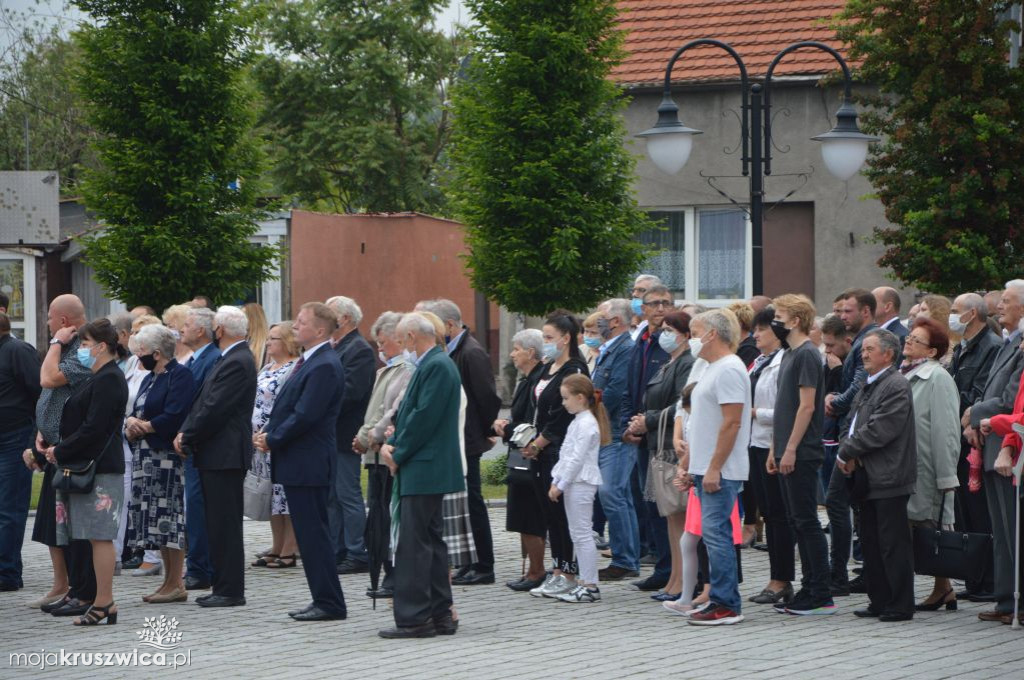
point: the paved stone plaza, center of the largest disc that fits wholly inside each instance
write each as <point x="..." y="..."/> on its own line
<point x="509" y="635"/>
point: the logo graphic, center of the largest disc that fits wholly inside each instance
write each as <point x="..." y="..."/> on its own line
<point x="160" y="633"/>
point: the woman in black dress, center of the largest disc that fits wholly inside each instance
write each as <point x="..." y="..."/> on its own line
<point x="525" y="514"/>
<point x="561" y="354"/>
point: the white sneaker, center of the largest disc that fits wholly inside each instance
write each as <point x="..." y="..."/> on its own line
<point x="560" y="587"/>
<point x="539" y="590"/>
<point x="581" y="594"/>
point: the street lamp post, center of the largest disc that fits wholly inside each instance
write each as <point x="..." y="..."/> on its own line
<point x="843" y="148"/>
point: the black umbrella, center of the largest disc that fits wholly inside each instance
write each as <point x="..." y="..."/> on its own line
<point x="378" y="524"/>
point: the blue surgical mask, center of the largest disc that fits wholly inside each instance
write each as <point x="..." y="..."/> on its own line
<point x="636" y="305"/>
<point x="669" y="341"/>
<point x="591" y="342"/>
<point x="550" y="351"/>
<point x="85" y="357"/>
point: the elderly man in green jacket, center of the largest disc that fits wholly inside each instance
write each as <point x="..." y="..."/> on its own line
<point x="424" y="457"/>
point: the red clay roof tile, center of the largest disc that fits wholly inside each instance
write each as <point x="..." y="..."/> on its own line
<point x="757" y="29"/>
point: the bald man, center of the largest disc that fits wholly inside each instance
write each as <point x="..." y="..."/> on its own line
<point x="759" y="302"/>
<point x="60" y="375"/>
<point x="887" y="312"/>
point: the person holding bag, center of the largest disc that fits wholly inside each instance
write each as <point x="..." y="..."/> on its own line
<point x="658" y="418"/>
<point x="90" y="447"/>
<point x="525" y="514"/>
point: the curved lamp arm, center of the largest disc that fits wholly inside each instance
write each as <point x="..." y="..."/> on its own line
<point x="847" y="90"/>
<point x="669" y="107"/>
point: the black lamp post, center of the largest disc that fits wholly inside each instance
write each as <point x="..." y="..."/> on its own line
<point x="844" y="148"/>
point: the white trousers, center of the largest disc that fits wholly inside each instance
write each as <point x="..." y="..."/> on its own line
<point x="579" y="511"/>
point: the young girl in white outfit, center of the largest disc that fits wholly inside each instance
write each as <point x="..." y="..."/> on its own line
<point x="577" y="476"/>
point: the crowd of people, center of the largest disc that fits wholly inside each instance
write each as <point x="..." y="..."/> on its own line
<point x="685" y="433"/>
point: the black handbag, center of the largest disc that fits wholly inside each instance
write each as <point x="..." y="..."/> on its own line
<point x="960" y="555"/>
<point x="75" y="477"/>
<point x="519" y="467"/>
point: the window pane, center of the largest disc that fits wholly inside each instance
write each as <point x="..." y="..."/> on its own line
<point x="669" y="263"/>
<point x="722" y="254"/>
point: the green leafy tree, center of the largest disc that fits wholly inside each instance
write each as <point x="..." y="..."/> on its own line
<point x="353" y="95"/>
<point x="540" y="176"/>
<point x="950" y="170"/>
<point x="36" y="94"/>
<point x="177" y="190"/>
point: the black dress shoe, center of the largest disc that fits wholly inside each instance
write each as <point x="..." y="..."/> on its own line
<point x="981" y="597"/>
<point x="303" y="610"/>
<point x="9" y="587"/>
<point x="858" y="585"/>
<point x="614" y="572"/>
<point x="424" y="630"/>
<point x="524" y="584"/>
<point x="650" y="584"/>
<point x="314" y="613"/>
<point x="890" y="617"/>
<point x="193" y="583"/>
<point x="446" y="625"/>
<point x="867" y="613"/>
<point x="73" y="607"/>
<point x="382" y="593"/>
<point x="462" y="571"/>
<point x="353" y="567"/>
<point x="221" y="601"/>
<point x="474" y="578"/>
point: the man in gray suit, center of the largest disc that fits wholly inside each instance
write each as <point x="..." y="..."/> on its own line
<point x="998" y="397"/>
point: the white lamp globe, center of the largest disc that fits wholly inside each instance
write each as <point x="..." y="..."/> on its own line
<point x="844" y="157"/>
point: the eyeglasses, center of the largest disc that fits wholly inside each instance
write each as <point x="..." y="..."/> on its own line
<point x="273" y="338"/>
<point x="916" y="341"/>
<point x="659" y="303"/>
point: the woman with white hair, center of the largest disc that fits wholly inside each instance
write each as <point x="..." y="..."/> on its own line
<point x="158" y="473"/>
<point x="525" y="513"/>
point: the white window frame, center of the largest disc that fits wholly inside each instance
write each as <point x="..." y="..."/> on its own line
<point x="25" y="330"/>
<point x="691" y="245"/>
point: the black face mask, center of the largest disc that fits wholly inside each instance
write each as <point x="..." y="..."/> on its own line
<point x="780" y="331"/>
<point x="148" y="361"/>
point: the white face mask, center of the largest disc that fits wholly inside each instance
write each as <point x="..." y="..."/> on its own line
<point x="955" y="324"/>
<point x="696" y="345"/>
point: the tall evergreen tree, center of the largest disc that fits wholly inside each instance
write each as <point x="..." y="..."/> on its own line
<point x="354" y="102"/>
<point x="540" y="176"/>
<point x="950" y="170"/>
<point x="177" y="190"/>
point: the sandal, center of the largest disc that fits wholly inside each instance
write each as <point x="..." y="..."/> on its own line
<point x="282" y="562"/>
<point x="95" y="615"/>
<point x="265" y="560"/>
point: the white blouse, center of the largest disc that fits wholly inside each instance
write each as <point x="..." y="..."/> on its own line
<point x="577" y="459"/>
<point x="765" y="392"/>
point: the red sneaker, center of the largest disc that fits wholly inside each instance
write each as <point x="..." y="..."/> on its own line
<point x="715" y="615"/>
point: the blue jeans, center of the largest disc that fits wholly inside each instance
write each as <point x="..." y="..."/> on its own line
<point x="617" y="461"/>
<point x="346" y="511"/>
<point x="716" y="527"/>
<point x="15" y="489"/>
<point x="198" y="562"/>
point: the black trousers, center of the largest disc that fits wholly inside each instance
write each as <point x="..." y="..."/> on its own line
<point x="972" y="515"/>
<point x="478" y="519"/>
<point x="562" y="555"/>
<point x="750" y="497"/>
<point x="222" y="495"/>
<point x="778" y="532"/>
<point x="81" y="574"/>
<point x="837" y="502"/>
<point x="422" y="590"/>
<point x="379" y="485"/>
<point x="800" y="493"/>
<point x="308" y="508"/>
<point x="888" y="548"/>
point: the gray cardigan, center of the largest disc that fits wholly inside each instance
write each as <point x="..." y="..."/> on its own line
<point x="884" y="436"/>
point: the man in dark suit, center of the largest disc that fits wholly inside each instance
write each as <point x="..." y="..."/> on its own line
<point x="887" y="312"/>
<point x="346" y="511"/>
<point x="998" y="398"/>
<point x="301" y="439"/>
<point x="217" y="435"/>
<point x="197" y="335"/>
<point x="482" y="406"/>
<point x="423" y="455"/>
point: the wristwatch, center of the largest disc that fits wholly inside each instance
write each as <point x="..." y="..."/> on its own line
<point x="55" y="341"/>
